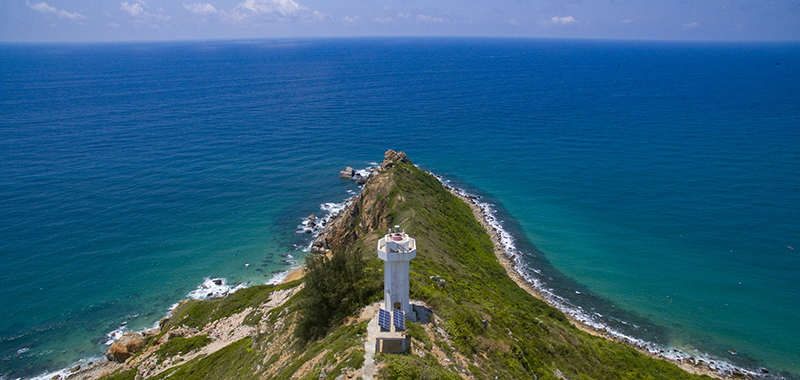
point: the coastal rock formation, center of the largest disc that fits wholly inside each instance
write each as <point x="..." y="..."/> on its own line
<point x="125" y="347"/>
<point x="368" y="212"/>
<point x="391" y="156"/>
<point x="347" y="173"/>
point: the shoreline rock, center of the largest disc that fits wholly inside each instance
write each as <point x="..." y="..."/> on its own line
<point x="347" y="173"/>
<point x="123" y="348"/>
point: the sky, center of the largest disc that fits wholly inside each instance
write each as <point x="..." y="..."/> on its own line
<point x="169" y="20"/>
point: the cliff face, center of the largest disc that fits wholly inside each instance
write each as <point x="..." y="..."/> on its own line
<point x="481" y="325"/>
<point x="369" y="210"/>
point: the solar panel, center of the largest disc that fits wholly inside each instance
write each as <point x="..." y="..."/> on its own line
<point x="384" y="321"/>
<point x="399" y="319"/>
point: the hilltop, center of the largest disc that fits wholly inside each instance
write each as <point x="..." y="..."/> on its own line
<point x="314" y="327"/>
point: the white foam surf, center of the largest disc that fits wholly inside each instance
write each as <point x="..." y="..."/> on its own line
<point x="213" y="287"/>
<point x="330" y="210"/>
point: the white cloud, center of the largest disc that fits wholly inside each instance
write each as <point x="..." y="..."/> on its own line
<point x="133" y="10"/>
<point x="558" y="21"/>
<point x="403" y="15"/>
<point x="429" y="18"/>
<point x="627" y="21"/>
<point x="350" y="19"/>
<point x="42" y="7"/>
<point x="382" y="20"/>
<point x="563" y="20"/>
<point x="137" y="9"/>
<point x="200" y="8"/>
<point x="691" y="25"/>
<point x="387" y="7"/>
<point x="319" y="16"/>
<point x="46" y="8"/>
<point x="71" y="15"/>
<point x="284" y="7"/>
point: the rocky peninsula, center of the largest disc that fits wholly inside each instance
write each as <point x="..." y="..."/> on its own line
<point x="485" y="321"/>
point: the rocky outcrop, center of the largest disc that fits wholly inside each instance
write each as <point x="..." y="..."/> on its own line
<point x="368" y="211"/>
<point x="390" y="157"/>
<point x="125" y="347"/>
<point x="347" y="173"/>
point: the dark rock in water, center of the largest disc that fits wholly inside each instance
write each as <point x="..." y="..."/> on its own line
<point x="312" y="218"/>
<point x="259" y="270"/>
<point x="217" y="281"/>
<point x="308" y="231"/>
<point x="125" y="347"/>
<point x="312" y="224"/>
<point x="347" y="173"/>
<point x="75" y="368"/>
<point x="764" y="370"/>
<point x="361" y="180"/>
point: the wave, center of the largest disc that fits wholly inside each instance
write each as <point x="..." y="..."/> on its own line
<point x="214" y="288"/>
<point x="592" y="319"/>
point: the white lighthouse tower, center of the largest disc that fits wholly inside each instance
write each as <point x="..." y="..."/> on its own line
<point x="396" y="249"/>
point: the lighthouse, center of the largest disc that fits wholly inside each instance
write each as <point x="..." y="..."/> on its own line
<point x="396" y="249"/>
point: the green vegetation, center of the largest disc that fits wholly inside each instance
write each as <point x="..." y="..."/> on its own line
<point x="122" y="375"/>
<point x="340" y="349"/>
<point x="236" y="361"/>
<point x="317" y="334"/>
<point x="408" y="367"/>
<point x="181" y="345"/>
<point x="335" y="288"/>
<point x="526" y="337"/>
<point x="199" y="313"/>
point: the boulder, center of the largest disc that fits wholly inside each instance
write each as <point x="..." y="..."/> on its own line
<point x="125" y="347"/>
<point x="312" y="218"/>
<point x="347" y="173"/>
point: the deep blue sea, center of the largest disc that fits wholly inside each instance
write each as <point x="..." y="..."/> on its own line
<point x="654" y="184"/>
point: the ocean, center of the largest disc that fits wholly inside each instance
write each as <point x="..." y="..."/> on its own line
<point x="653" y="187"/>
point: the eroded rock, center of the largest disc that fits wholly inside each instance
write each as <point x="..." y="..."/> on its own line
<point x="125" y="347"/>
<point x="347" y="173"/>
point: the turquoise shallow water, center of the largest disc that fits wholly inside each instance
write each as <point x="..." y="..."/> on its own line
<point x="659" y="180"/>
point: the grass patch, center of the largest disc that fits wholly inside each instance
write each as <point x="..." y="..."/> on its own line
<point x="409" y="367"/>
<point x="181" y="345"/>
<point x="199" y="313"/>
<point x="125" y="375"/>
<point x="235" y="361"/>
